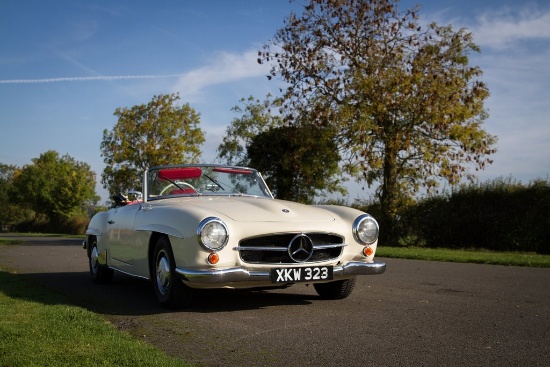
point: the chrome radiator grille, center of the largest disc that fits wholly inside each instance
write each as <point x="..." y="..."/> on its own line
<point x="280" y="248"/>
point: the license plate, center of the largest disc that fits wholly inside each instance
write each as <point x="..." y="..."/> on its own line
<point x="303" y="274"/>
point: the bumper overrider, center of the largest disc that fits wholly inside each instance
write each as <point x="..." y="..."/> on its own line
<point x="234" y="275"/>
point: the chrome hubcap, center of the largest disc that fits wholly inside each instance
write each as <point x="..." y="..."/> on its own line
<point x="163" y="275"/>
<point x="93" y="259"/>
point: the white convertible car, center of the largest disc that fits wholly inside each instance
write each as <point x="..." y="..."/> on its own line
<point x="214" y="226"/>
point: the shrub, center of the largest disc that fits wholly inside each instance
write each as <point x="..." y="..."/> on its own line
<point x="500" y="215"/>
<point x="76" y="225"/>
<point x="40" y="224"/>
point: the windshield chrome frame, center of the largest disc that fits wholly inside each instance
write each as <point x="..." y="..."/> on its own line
<point x="262" y="182"/>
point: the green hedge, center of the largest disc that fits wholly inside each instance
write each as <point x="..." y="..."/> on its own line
<point x="500" y="215"/>
<point x="75" y="225"/>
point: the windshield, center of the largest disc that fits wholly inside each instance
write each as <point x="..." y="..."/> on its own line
<point x="187" y="180"/>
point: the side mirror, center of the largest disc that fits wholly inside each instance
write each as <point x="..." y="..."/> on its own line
<point x="120" y="200"/>
<point x="134" y="195"/>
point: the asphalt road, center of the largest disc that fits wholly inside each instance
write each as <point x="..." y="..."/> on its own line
<point x="417" y="313"/>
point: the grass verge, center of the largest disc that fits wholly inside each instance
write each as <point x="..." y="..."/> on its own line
<point x="38" y="328"/>
<point x="10" y="241"/>
<point x="36" y="234"/>
<point x="466" y="256"/>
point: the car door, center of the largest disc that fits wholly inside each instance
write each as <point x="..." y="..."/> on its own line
<point x="122" y="237"/>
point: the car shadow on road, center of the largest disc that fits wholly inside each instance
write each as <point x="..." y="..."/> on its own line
<point x="128" y="296"/>
<point x="224" y="300"/>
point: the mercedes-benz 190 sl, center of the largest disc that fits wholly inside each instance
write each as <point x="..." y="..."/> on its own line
<point x="214" y="226"/>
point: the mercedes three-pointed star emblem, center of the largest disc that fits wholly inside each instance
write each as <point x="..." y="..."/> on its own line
<point x="300" y="248"/>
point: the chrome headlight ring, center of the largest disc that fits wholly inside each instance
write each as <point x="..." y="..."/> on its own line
<point x="365" y="229"/>
<point x="212" y="234"/>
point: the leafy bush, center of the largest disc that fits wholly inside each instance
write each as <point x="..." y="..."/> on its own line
<point x="40" y="224"/>
<point x="76" y="225"/>
<point x="500" y="215"/>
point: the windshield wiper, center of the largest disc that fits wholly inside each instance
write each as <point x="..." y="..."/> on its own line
<point x="178" y="186"/>
<point x="214" y="181"/>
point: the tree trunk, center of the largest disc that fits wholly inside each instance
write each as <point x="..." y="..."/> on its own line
<point x="389" y="199"/>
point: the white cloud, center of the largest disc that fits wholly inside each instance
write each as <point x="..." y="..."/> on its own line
<point x="224" y="68"/>
<point x="502" y="29"/>
<point x="515" y="49"/>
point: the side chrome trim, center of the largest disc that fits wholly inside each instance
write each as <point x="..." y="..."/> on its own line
<point x="240" y="274"/>
<point x="126" y="273"/>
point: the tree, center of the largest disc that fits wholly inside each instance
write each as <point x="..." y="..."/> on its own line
<point x="407" y="105"/>
<point x="149" y="135"/>
<point x="256" y="117"/>
<point x="298" y="162"/>
<point x="10" y="213"/>
<point x="56" y="187"/>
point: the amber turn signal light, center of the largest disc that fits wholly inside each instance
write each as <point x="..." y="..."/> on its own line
<point x="367" y="251"/>
<point x="213" y="258"/>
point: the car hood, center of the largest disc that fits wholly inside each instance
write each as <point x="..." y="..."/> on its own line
<point x="254" y="209"/>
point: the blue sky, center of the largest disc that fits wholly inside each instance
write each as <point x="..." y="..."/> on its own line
<point x="65" y="66"/>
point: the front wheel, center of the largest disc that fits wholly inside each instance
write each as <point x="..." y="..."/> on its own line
<point x="169" y="289"/>
<point x="335" y="290"/>
<point x="100" y="274"/>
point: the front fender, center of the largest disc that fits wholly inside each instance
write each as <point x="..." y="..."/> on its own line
<point x="98" y="224"/>
<point x="98" y="228"/>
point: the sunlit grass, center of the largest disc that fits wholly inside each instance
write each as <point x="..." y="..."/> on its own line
<point x="466" y="256"/>
<point x="13" y="238"/>
<point x="10" y="241"/>
<point x="38" y="328"/>
<point x="36" y="234"/>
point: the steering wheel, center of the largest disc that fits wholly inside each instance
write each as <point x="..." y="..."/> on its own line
<point x="171" y="187"/>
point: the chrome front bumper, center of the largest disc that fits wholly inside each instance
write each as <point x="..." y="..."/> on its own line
<point x="234" y="275"/>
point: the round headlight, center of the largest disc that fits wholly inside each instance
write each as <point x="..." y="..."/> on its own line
<point x="212" y="233"/>
<point x="365" y="229"/>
